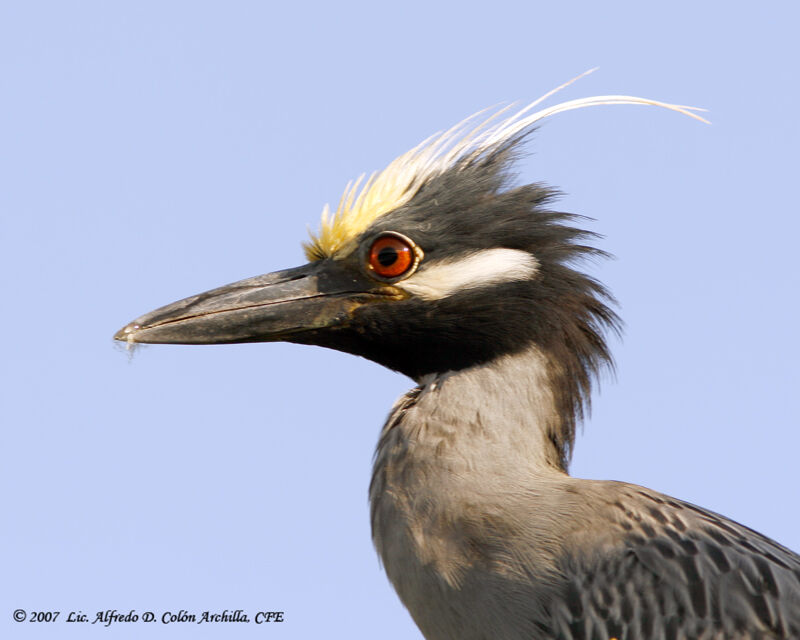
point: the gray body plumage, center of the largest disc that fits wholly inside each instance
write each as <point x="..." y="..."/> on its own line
<point x="483" y="536"/>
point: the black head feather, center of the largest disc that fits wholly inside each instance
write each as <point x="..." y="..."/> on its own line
<point x="561" y="311"/>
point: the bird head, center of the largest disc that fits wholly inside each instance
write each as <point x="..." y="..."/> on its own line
<point x="437" y="263"/>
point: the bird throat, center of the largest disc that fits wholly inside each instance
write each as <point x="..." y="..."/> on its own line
<point x="498" y="415"/>
<point x="455" y="447"/>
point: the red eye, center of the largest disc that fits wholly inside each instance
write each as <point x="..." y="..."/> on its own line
<point x="391" y="256"/>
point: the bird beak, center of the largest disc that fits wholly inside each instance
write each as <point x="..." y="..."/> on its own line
<point x="276" y="306"/>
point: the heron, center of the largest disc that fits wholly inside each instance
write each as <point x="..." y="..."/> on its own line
<point x="444" y="268"/>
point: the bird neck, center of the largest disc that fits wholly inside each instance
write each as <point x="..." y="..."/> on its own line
<point x="497" y="418"/>
<point x="460" y="444"/>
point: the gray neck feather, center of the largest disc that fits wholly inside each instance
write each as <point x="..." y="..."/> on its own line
<point x="483" y="419"/>
<point x="477" y="431"/>
<point x="454" y="449"/>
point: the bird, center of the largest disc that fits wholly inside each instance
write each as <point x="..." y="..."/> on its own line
<point x="446" y="269"/>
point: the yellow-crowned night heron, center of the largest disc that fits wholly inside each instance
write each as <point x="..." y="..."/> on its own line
<point x="441" y="269"/>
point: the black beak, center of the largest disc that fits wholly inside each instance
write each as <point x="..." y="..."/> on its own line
<point x="277" y="306"/>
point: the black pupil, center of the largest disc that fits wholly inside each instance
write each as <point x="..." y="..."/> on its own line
<point x="387" y="256"/>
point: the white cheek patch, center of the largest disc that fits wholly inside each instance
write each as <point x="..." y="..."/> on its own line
<point x="490" y="266"/>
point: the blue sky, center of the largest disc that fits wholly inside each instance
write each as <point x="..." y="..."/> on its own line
<point x="154" y="150"/>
